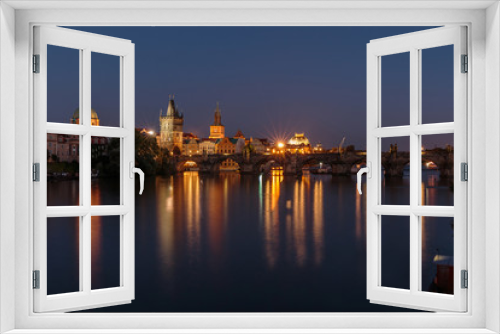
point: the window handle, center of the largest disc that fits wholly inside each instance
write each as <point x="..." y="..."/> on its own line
<point x="368" y="172"/>
<point x="133" y="170"/>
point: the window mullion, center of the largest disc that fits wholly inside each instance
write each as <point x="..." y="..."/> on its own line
<point x="86" y="242"/>
<point x="86" y="151"/>
<point x="86" y="173"/>
<point x="82" y="82"/>
<point x="86" y="266"/>
<point x="414" y="166"/>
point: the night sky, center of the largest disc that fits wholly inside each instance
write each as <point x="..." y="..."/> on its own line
<point x="270" y="81"/>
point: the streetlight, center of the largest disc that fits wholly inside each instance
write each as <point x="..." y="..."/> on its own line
<point x="280" y="146"/>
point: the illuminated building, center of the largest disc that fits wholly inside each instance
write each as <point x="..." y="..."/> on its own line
<point x="260" y="145"/>
<point x="299" y="139"/>
<point x="299" y="144"/>
<point x="229" y="165"/>
<point x="171" y="135"/>
<point x="66" y="148"/>
<point x="318" y="148"/>
<point x="207" y="146"/>
<point x="225" y="146"/>
<point x="99" y="146"/>
<point x="94" y="119"/>
<point x="63" y="148"/>
<point x="239" y="134"/>
<point x="191" y="147"/>
<point x="217" y="129"/>
<point x="189" y="135"/>
<point x="240" y="144"/>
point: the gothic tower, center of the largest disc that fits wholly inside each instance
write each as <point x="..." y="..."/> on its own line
<point x="217" y="129"/>
<point x="171" y="127"/>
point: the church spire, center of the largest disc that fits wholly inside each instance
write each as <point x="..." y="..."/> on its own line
<point x="217" y="129"/>
<point x="217" y="116"/>
<point x="170" y="107"/>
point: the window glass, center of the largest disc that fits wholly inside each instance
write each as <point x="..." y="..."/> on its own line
<point x="63" y="84"/>
<point x="63" y="170"/>
<point x="437" y="254"/>
<point x="105" y="252"/>
<point x="395" y="171"/>
<point x="395" y="94"/>
<point x="437" y="84"/>
<point x="105" y="171"/>
<point x="395" y="255"/>
<point x="105" y="90"/>
<point x="438" y="170"/>
<point x="63" y="255"/>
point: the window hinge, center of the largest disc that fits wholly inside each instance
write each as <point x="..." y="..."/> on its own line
<point x="36" y="63"/>
<point x="36" y="172"/>
<point x="36" y="279"/>
<point x="465" y="279"/>
<point x="464" y="172"/>
<point x="465" y="64"/>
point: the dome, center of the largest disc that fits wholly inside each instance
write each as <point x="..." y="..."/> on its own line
<point x="76" y="114"/>
<point x="299" y="139"/>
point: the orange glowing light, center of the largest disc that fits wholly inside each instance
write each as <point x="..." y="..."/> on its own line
<point x="281" y="145"/>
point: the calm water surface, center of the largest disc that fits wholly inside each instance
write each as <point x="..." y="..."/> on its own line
<point x="233" y="243"/>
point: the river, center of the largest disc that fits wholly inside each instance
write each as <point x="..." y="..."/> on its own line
<point x="237" y="243"/>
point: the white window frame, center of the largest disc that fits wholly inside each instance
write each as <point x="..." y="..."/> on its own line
<point x="482" y="19"/>
<point x="414" y="44"/>
<point x="85" y="44"/>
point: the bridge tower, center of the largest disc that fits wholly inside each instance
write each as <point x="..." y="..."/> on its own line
<point x="171" y="127"/>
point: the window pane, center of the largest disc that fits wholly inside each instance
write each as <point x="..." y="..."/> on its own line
<point x="105" y="252"/>
<point x="105" y="90"/>
<point x="63" y="169"/>
<point x="395" y="94"/>
<point x="63" y="255"/>
<point x="63" y="84"/>
<point x="437" y="170"/>
<point x="395" y="251"/>
<point x="437" y="254"/>
<point x="437" y="84"/>
<point x="395" y="171"/>
<point x="105" y="171"/>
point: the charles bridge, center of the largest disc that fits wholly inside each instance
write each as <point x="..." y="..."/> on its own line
<point x="393" y="162"/>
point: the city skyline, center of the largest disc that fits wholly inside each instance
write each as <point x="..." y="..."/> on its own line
<point x="270" y="81"/>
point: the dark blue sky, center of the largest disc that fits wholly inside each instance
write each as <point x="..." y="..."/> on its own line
<point x="270" y="81"/>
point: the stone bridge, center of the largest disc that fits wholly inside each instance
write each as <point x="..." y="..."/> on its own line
<point x="393" y="162"/>
<point x="257" y="163"/>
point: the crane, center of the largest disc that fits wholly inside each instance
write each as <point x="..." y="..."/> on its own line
<point x="341" y="144"/>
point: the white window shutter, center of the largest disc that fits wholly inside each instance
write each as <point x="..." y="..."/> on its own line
<point x="86" y="43"/>
<point x="416" y="297"/>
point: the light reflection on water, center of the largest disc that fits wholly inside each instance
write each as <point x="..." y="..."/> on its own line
<point x="269" y="243"/>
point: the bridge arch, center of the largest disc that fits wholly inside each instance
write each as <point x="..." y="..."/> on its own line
<point x="229" y="165"/>
<point x="340" y="165"/>
<point x="187" y="165"/>
<point x="394" y="164"/>
<point x="441" y="158"/>
<point x="312" y="161"/>
<point x="266" y="163"/>
<point x="317" y="161"/>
